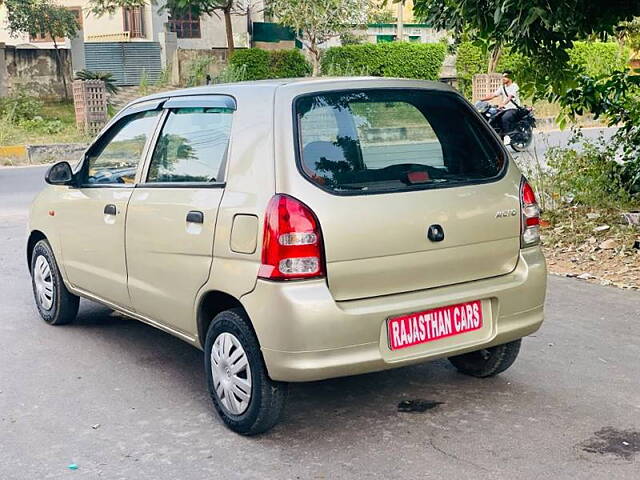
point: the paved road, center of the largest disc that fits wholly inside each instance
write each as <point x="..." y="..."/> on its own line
<point x="572" y="395"/>
<point x="543" y="140"/>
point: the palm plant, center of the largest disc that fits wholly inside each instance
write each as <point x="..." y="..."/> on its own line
<point x="107" y="78"/>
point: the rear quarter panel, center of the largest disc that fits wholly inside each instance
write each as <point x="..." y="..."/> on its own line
<point x="250" y="184"/>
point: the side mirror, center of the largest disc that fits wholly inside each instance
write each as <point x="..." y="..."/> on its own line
<point x="59" y="174"/>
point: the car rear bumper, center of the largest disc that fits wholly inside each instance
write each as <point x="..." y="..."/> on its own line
<point x="306" y="335"/>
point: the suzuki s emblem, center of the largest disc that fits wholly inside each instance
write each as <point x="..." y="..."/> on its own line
<point x="506" y="213"/>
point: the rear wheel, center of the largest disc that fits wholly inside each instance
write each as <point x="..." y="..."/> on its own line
<point x="56" y="305"/>
<point x="521" y="139"/>
<point x="488" y="361"/>
<point x="246" y="399"/>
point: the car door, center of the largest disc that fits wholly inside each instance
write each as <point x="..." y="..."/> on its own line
<point x="91" y="216"/>
<point x="172" y="212"/>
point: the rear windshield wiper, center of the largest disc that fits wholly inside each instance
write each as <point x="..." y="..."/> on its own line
<point x="350" y="188"/>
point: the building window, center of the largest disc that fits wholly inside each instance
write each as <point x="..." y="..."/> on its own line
<point x="45" y="37"/>
<point x="385" y="38"/>
<point x="185" y="23"/>
<point x="134" y="21"/>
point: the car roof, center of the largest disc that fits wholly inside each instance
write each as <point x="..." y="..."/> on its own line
<point x="239" y="88"/>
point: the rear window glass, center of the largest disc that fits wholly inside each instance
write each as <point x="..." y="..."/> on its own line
<point x="391" y="140"/>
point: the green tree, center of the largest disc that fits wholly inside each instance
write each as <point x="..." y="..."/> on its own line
<point x="41" y="17"/>
<point x="545" y="30"/>
<point x="317" y="21"/>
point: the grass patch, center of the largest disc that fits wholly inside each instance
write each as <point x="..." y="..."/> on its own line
<point x="54" y="123"/>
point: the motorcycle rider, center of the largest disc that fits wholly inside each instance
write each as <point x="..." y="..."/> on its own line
<point x="510" y="103"/>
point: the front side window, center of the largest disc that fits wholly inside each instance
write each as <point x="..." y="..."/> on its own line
<point x="375" y="141"/>
<point x="116" y="157"/>
<point x="192" y="146"/>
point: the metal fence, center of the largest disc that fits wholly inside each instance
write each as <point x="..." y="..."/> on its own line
<point x="128" y="62"/>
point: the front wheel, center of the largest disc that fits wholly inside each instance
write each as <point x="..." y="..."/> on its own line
<point x="488" y="361"/>
<point x="522" y="139"/>
<point x="56" y="305"/>
<point x="244" y="396"/>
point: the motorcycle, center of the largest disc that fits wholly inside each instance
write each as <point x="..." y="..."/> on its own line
<point x="521" y="136"/>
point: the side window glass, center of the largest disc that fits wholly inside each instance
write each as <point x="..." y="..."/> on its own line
<point x="192" y="146"/>
<point x="116" y="158"/>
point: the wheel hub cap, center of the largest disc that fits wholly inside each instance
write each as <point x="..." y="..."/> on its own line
<point x="231" y="373"/>
<point x="43" y="281"/>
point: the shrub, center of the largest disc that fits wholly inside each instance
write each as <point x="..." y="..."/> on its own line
<point x="361" y="58"/>
<point x="599" y="58"/>
<point x="413" y="60"/>
<point x="288" y="64"/>
<point x="231" y="73"/>
<point x="470" y="61"/>
<point x="198" y="69"/>
<point x="19" y="107"/>
<point x="259" y="64"/>
<point x="395" y="59"/>
<point x="256" y="62"/>
<point x="591" y="176"/>
<point x="43" y="125"/>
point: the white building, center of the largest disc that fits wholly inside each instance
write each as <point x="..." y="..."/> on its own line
<point x="138" y="43"/>
<point x="146" y="24"/>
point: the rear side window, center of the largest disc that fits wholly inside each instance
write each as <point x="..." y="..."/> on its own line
<point x="375" y="141"/>
<point x="192" y="146"/>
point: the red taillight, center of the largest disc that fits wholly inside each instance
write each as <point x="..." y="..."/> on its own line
<point x="292" y="244"/>
<point x="530" y="234"/>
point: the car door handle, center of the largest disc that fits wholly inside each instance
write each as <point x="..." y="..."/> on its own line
<point x="110" y="209"/>
<point x="195" y="216"/>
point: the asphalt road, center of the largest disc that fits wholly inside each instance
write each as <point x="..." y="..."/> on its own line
<point x="125" y="401"/>
<point x="543" y="140"/>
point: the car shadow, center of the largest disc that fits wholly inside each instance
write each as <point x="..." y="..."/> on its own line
<point x="313" y="408"/>
<point x="145" y="348"/>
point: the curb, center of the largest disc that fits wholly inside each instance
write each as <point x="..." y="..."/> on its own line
<point x="26" y="155"/>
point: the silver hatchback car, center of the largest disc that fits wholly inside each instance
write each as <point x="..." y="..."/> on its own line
<point x="298" y="230"/>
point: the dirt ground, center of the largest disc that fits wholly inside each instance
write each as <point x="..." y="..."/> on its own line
<point x="602" y="249"/>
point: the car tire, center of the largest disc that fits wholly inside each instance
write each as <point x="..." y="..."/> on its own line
<point x="487" y="362"/>
<point x="231" y="343"/>
<point x="56" y="305"/>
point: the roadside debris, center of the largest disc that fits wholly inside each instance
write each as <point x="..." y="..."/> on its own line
<point x="599" y="247"/>
<point x="417" y="406"/>
<point x="608" y="244"/>
<point x="586" y="276"/>
<point x="631" y="218"/>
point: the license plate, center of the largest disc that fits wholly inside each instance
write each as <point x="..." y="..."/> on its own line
<point x="422" y="327"/>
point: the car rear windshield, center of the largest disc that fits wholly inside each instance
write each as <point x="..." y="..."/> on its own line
<point x="375" y="141"/>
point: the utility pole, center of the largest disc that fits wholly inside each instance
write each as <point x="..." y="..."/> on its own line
<point x="400" y="33"/>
